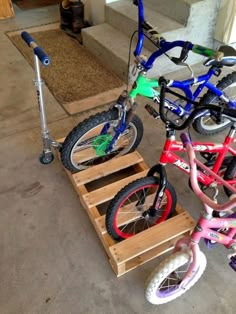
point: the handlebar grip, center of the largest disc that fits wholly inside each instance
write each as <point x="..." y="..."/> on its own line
<point x="185" y="139"/>
<point x="43" y="57"/>
<point x="45" y="60"/>
<point x="27" y="38"/>
<point x="204" y="51"/>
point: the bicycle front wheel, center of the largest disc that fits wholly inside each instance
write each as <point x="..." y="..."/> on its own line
<point x="85" y="147"/>
<point x="130" y="211"/>
<point x="163" y="285"/>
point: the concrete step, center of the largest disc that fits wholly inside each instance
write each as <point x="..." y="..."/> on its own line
<point x="178" y="10"/>
<point x="109" y="42"/>
<point x="110" y="46"/>
<point x="123" y="15"/>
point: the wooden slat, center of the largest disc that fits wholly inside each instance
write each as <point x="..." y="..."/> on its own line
<point x="140" y="166"/>
<point x="105" y="239"/>
<point x="178" y="209"/>
<point x="106" y="168"/>
<point x="151" y="238"/>
<point x="149" y="255"/>
<point x="107" y="192"/>
<point x="100" y="221"/>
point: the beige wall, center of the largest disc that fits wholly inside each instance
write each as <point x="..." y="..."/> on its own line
<point x="226" y="22"/>
<point x="94" y="10"/>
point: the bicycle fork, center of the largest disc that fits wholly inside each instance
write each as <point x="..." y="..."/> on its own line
<point x="160" y="170"/>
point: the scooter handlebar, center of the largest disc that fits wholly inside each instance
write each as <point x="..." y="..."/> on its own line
<point x="38" y="51"/>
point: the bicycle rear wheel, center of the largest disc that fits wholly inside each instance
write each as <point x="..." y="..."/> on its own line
<point x="129" y="211"/>
<point x="163" y="285"/>
<point x="206" y="125"/>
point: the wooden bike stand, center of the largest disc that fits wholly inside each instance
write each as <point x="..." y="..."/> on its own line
<point x="99" y="184"/>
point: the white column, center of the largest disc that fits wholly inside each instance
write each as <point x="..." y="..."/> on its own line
<point x="226" y="22"/>
<point x="94" y="10"/>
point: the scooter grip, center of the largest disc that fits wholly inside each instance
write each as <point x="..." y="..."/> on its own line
<point x="43" y="57"/>
<point x="27" y="38"/>
<point x="185" y="139"/>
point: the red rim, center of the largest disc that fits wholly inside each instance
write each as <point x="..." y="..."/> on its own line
<point x="164" y="216"/>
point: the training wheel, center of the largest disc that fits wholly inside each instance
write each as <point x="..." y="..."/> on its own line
<point x="46" y="158"/>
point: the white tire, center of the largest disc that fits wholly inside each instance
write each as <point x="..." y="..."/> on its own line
<point x="171" y="264"/>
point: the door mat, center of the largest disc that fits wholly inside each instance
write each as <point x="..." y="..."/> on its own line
<point x="75" y="77"/>
<point x="34" y="4"/>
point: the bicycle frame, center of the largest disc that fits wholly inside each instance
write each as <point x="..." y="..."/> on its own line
<point x="207" y="227"/>
<point x="171" y="146"/>
<point x="146" y="87"/>
<point x="164" y="45"/>
<point x="204" y="229"/>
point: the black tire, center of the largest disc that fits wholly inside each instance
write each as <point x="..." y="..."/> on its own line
<point x="210" y="98"/>
<point x="230" y="173"/>
<point x="79" y="139"/>
<point x="140" y="221"/>
<point x="46" y="159"/>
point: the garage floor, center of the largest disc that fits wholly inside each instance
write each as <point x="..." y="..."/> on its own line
<point x="51" y="258"/>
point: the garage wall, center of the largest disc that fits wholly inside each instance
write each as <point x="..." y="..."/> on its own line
<point x="94" y="10"/>
<point x="226" y="22"/>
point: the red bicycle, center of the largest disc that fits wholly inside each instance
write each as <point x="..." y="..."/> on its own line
<point x="150" y="200"/>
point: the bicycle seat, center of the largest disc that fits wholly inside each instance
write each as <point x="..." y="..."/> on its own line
<point x="228" y="57"/>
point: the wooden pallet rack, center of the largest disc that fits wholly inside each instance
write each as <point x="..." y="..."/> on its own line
<point x="130" y="253"/>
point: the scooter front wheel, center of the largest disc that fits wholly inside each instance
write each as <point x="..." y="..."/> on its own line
<point x="46" y="158"/>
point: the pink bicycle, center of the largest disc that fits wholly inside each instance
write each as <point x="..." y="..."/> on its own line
<point x="182" y="269"/>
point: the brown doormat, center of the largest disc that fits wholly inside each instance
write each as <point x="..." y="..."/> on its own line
<point x="33" y="4"/>
<point x="75" y="77"/>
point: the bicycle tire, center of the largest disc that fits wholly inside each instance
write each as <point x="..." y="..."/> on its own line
<point x="124" y="222"/>
<point x="167" y="268"/>
<point x="209" y="98"/>
<point x="77" y="141"/>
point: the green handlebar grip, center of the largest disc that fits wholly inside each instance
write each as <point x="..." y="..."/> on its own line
<point x="204" y="51"/>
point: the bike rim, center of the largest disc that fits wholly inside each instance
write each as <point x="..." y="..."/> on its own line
<point x="84" y="148"/>
<point x="172" y="283"/>
<point x="128" y="219"/>
<point x="210" y="124"/>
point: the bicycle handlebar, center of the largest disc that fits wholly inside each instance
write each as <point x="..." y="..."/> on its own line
<point x="147" y="30"/>
<point x="185" y="138"/>
<point x="43" y="57"/>
<point x="194" y="182"/>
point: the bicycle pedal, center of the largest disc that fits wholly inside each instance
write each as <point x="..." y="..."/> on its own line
<point x="152" y="111"/>
<point x="232" y="263"/>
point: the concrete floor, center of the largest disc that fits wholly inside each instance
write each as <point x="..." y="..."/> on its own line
<point x="51" y="258"/>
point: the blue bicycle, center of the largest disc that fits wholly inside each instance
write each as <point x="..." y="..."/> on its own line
<point x="119" y="130"/>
